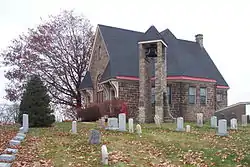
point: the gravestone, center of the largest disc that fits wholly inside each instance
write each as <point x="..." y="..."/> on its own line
<point x="104" y="155"/>
<point x="94" y="137"/>
<point x="21" y="134"/>
<point x="74" y="127"/>
<point x="157" y="121"/>
<point x="180" y="124"/>
<point x="10" y="151"/>
<point x="200" y="119"/>
<point x="233" y="124"/>
<point x="122" y="122"/>
<point x="131" y="125"/>
<point x="112" y="124"/>
<point x="188" y="128"/>
<point x="222" y="128"/>
<point x="102" y="123"/>
<point x="20" y="138"/>
<point x="7" y="157"/>
<point x="3" y="164"/>
<point x="25" y="123"/>
<point x="15" y="142"/>
<point x="244" y="120"/>
<point x="138" y="130"/>
<point x="213" y="122"/>
<point x="220" y="116"/>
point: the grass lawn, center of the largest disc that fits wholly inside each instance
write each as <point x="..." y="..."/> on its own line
<point x="157" y="147"/>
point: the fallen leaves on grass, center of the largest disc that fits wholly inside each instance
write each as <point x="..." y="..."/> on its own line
<point x="28" y="155"/>
<point x="7" y="132"/>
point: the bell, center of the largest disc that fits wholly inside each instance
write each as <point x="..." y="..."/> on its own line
<point x="151" y="52"/>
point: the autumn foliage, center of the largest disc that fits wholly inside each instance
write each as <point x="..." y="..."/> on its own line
<point x="58" y="50"/>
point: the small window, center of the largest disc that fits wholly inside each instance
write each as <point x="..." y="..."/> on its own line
<point x="192" y="95"/>
<point x="219" y="97"/>
<point x="99" y="53"/>
<point x="203" y="96"/>
<point x="169" y="92"/>
<point x="153" y="95"/>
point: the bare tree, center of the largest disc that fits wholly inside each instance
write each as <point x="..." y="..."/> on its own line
<point x="58" y="50"/>
<point x="9" y="113"/>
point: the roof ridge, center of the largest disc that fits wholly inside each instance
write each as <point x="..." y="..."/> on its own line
<point x="119" y="28"/>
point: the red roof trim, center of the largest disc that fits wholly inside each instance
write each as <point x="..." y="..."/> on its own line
<point x="222" y="87"/>
<point x="178" y="78"/>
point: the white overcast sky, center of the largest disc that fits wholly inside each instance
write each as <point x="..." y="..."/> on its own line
<point x="225" y="25"/>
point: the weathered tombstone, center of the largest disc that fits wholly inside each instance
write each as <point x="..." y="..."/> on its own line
<point x="21" y="134"/>
<point x="10" y="151"/>
<point x="131" y="125"/>
<point x="188" y="128"/>
<point x="104" y="155"/>
<point x="180" y="124"/>
<point x="94" y="137"/>
<point x="138" y="129"/>
<point x="3" y="164"/>
<point x="74" y="128"/>
<point x="20" y="138"/>
<point x="7" y="158"/>
<point x="122" y="122"/>
<point x="233" y="124"/>
<point x="157" y="121"/>
<point x="15" y="142"/>
<point x="213" y="122"/>
<point x="102" y="122"/>
<point x="25" y="123"/>
<point x="222" y="128"/>
<point x="244" y="120"/>
<point x="112" y="124"/>
<point x="200" y="119"/>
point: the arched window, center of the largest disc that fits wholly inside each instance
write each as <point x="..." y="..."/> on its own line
<point x="99" y="88"/>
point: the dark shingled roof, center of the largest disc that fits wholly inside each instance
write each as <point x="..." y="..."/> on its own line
<point x="184" y="58"/>
<point x="151" y="34"/>
<point x="86" y="82"/>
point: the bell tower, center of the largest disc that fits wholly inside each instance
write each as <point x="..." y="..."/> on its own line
<point x="152" y="49"/>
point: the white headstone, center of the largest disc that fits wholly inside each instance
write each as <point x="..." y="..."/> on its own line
<point x="138" y="129"/>
<point x="233" y="123"/>
<point x="200" y="119"/>
<point x="131" y="125"/>
<point x="104" y="155"/>
<point x="213" y="122"/>
<point x="122" y="122"/>
<point x="102" y="122"/>
<point x="244" y="120"/>
<point x="222" y="128"/>
<point x="25" y="123"/>
<point x="113" y="124"/>
<point x="74" y="128"/>
<point x="157" y="121"/>
<point x="188" y="128"/>
<point x="180" y="124"/>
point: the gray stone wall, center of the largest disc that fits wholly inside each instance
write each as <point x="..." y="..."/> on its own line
<point x="98" y="62"/>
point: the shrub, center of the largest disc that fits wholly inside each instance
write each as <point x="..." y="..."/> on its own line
<point x="95" y="111"/>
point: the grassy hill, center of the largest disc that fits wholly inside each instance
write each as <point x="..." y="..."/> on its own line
<point x="157" y="147"/>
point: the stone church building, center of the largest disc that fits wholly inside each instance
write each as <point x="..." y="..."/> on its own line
<point x="155" y="73"/>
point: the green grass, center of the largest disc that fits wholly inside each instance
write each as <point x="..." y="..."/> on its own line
<point x="156" y="146"/>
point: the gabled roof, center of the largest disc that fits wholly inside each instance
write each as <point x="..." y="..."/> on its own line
<point x="184" y="58"/>
<point x="151" y="34"/>
<point x="86" y="82"/>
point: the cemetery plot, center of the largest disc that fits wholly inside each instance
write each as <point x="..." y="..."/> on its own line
<point x="7" y="132"/>
<point x="58" y="146"/>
